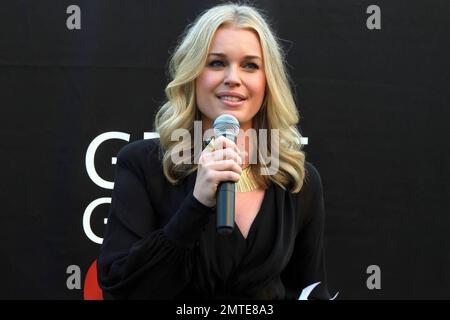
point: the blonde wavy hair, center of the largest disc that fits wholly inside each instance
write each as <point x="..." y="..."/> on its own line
<point x="278" y="110"/>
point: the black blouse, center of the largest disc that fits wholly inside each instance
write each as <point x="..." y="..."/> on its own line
<point x="161" y="242"/>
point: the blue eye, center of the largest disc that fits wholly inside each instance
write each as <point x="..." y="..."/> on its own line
<point x="216" y="64"/>
<point x="252" y="65"/>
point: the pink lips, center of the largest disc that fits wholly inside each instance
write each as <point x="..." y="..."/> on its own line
<point x="233" y="104"/>
<point x="230" y="103"/>
<point x="232" y="94"/>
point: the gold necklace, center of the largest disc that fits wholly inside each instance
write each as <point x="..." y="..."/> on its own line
<point x="246" y="183"/>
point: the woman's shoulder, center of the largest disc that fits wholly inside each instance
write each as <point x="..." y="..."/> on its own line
<point x="140" y="153"/>
<point x="139" y="147"/>
<point x="309" y="199"/>
<point x="312" y="184"/>
<point x="312" y="179"/>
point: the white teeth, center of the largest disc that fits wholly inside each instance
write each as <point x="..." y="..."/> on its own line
<point x="230" y="98"/>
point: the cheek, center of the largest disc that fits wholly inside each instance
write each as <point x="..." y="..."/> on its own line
<point x="205" y="85"/>
<point x="207" y="81"/>
<point x="258" y="87"/>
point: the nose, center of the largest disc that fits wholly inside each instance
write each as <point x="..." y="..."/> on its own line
<point x="231" y="77"/>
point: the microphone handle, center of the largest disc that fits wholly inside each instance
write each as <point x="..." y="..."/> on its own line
<point x="225" y="207"/>
<point x="225" y="203"/>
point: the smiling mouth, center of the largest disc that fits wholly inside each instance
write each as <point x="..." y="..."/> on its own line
<point x="230" y="98"/>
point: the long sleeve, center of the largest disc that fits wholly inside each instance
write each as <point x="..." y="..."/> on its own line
<point x="307" y="264"/>
<point x="138" y="259"/>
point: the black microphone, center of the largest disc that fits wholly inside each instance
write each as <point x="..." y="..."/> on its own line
<point x="228" y="126"/>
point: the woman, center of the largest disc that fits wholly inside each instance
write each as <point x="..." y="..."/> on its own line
<point x="161" y="241"/>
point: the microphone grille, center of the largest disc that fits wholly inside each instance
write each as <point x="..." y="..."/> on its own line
<point x="227" y="125"/>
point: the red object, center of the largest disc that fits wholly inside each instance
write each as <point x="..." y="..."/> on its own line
<point x="91" y="289"/>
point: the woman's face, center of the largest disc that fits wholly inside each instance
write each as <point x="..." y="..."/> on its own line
<point x="233" y="80"/>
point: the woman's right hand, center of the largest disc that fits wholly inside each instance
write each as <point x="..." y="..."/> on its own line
<point x="222" y="164"/>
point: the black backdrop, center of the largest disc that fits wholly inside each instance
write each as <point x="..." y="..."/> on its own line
<point x="374" y="106"/>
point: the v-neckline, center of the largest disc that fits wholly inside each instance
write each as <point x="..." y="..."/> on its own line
<point x="257" y="217"/>
<point x="255" y="220"/>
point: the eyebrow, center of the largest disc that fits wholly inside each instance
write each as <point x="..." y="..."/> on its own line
<point x="224" y="55"/>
